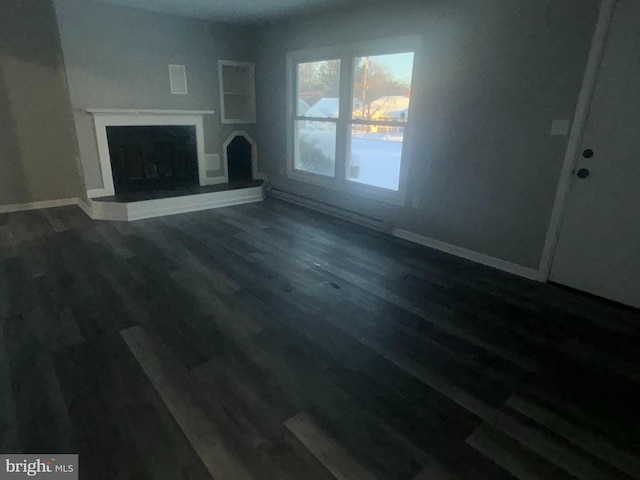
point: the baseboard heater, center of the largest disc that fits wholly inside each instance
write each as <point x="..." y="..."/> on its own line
<point x="322" y="207"/>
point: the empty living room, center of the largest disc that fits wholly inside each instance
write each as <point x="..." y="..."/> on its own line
<point x="319" y="239"/>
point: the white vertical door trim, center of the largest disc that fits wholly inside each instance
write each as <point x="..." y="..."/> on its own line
<point x="575" y="137"/>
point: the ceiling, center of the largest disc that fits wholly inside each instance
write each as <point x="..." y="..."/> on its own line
<point x="233" y="11"/>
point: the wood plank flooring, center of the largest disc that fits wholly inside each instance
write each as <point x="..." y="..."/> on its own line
<point x="266" y="341"/>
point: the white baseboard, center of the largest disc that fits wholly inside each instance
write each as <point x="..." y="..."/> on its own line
<point x="513" y="268"/>
<point x="21" y="207"/>
<point x="85" y="207"/>
<point x="96" y="193"/>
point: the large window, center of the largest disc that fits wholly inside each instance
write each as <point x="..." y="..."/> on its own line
<point x="349" y="111"/>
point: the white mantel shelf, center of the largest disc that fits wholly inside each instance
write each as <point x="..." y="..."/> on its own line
<point x="137" y="111"/>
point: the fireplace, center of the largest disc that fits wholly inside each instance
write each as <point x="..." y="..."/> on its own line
<point x="151" y="170"/>
<point x="152" y="157"/>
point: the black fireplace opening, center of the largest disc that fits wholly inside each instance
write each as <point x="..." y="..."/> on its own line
<point x="145" y="158"/>
<point x="239" y="152"/>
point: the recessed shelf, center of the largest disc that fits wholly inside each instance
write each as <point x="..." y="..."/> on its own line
<point x="237" y="92"/>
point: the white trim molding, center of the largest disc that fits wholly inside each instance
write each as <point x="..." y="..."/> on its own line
<point x="21" y="207"/>
<point x="497" y="263"/>
<point x="84" y="206"/>
<point x="96" y="193"/>
<point x="139" y="111"/>
<point x="104" y="118"/>
<point x="254" y="154"/>
<point x="575" y="137"/>
<point x="126" y="212"/>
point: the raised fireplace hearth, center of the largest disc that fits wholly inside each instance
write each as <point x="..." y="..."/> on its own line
<point x="156" y="161"/>
<point x="153" y="157"/>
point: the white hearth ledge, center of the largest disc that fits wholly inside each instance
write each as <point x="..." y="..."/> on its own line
<point x="139" y="111"/>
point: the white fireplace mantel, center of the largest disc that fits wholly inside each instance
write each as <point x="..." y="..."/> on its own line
<point x="138" y="111"/>
<point x="105" y="117"/>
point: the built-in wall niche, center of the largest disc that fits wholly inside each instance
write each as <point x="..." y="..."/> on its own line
<point x="237" y="91"/>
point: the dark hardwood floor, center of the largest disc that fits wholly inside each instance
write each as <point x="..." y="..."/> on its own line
<point x="266" y="341"/>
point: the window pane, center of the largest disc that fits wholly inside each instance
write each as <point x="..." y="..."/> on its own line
<point x="374" y="155"/>
<point x="315" y="147"/>
<point x="382" y="87"/>
<point x="319" y="89"/>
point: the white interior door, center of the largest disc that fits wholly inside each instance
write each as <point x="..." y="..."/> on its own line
<point x="598" y="249"/>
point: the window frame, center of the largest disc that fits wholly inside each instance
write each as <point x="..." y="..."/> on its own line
<point x="347" y="54"/>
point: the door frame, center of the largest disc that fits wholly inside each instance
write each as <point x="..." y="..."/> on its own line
<point x="594" y="60"/>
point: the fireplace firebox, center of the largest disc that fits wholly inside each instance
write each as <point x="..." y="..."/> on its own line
<point x="154" y="157"/>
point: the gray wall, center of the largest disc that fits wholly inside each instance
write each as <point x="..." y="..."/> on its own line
<point x="492" y="77"/>
<point x="38" y="149"/>
<point x="118" y="57"/>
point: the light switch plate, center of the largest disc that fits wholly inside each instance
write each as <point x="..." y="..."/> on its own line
<point x="560" y="127"/>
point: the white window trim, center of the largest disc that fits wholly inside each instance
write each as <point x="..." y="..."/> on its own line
<point x="346" y="54"/>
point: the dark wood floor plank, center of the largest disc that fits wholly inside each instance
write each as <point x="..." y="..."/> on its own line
<point x="591" y="442"/>
<point x="320" y="391"/>
<point x="622" y="434"/>
<point x="534" y="439"/>
<point x="163" y="447"/>
<point x="172" y="382"/>
<point x="35" y="395"/>
<point x="513" y="457"/>
<point x="257" y="402"/>
<point x="105" y="449"/>
<point x="442" y="322"/>
<point x="435" y="472"/>
<point x="331" y="455"/>
<point x="386" y="295"/>
<point x="9" y="429"/>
